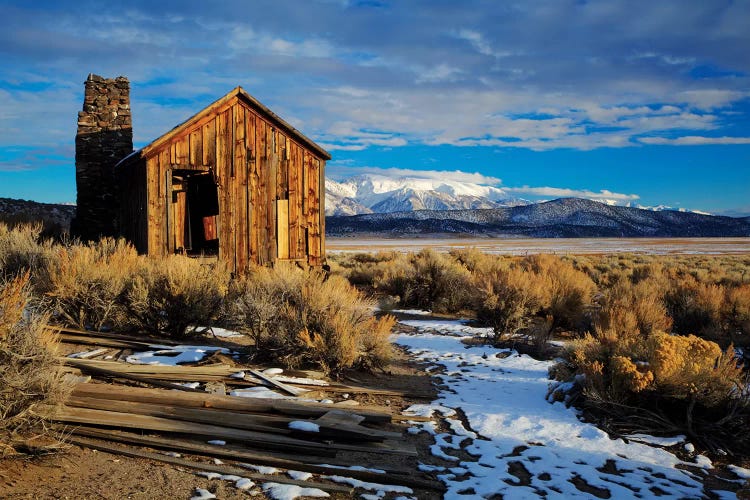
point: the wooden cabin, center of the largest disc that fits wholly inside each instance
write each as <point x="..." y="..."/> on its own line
<point x="235" y="181"/>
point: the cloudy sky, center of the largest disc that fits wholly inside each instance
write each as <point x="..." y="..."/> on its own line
<point x="642" y="102"/>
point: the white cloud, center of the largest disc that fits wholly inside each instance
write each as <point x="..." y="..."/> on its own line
<point x="603" y="195"/>
<point x="694" y="140"/>
<point x="342" y="171"/>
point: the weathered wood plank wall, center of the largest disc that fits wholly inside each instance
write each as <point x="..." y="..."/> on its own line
<point x="254" y="164"/>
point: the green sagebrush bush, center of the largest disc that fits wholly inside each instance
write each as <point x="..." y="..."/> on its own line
<point x="305" y="317"/>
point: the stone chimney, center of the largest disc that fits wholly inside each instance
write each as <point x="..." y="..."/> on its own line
<point x="105" y="136"/>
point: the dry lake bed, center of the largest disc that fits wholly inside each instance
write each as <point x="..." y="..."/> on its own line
<point x="522" y="246"/>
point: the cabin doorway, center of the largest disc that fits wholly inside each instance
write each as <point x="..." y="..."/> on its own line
<point x="195" y="213"/>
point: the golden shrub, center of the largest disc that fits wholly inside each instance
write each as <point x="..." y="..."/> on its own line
<point x="300" y="317"/>
<point x="30" y="377"/>
<point x="22" y="250"/>
<point x="84" y="283"/>
<point x="174" y="295"/>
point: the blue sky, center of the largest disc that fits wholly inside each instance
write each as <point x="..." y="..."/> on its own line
<point x="638" y="102"/>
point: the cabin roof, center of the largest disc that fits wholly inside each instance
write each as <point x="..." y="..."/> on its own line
<point x="241" y="94"/>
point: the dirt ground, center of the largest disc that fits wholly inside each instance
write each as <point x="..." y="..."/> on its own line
<point x="78" y="473"/>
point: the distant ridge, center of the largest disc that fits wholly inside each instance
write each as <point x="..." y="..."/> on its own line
<point x="54" y="216"/>
<point x="560" y="218"/>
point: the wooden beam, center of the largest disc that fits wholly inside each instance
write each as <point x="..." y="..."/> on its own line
<point x="399" y="477"/>
<point x="87" y="367"/>
<point x="220" y="469"/>
<point x="202" y="399"/>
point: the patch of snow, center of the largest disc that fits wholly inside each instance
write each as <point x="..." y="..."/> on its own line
<point x="356" y="483"/>
<point x="273" y="371"/>
<point x="217" y="442"/>
<point x="218" y="462"/>
<point x="657" y="440"/>
<point x="190" y="385"/>
<point x="298" y="475"/>
<point x="202" y="494"/>
<point x="244" y="484"/>
<point x="173" y="355"/>
<point x="261" y="469"/>
<point x="355" y="467"/>
<point x="304" y="425"/>
<point x="171" y="454"/>
<point x="703" y="462"/>
<point x="413" y="312"/>
<point x="290" y="492"/>
<point x="741" y="472"/>
<point x="239" y="375"/>
<point x="690" y="448"/>
<point x="209" y="475"/>
<point x="225" y="334"/>
<point x="503" y="400"/>
<point x="230" y="477"/>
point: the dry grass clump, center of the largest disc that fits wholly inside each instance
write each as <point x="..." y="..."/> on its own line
<point x="304" y="317"/>
<point x="174" y="295"/>
<point x="22" y="249"/>
<point x="30" y="380"/>
<point x="85" y="283"/>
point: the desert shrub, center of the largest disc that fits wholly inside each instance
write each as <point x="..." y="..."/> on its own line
<point x="30" y="379"/>
<point x="175" y="295"/>
<point x="736" y="315"/>
<point x="695" y="307"/>
<point x="85" y="283"/>
<point x="304" y="317"/>
<point x="428" y="280"/>
<point x="632" y="312"/>
<point x="665" y="383"/>
<point x="568" y="291"/>
<point x="510" y="300"/>
<point x="21" y="249"/>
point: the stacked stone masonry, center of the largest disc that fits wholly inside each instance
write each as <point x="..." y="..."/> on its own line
<point x="104" y="137"/>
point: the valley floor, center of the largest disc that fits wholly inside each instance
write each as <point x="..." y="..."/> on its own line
<point x="526" y="246"/>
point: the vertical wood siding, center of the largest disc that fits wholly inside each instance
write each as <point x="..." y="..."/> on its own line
<point x="255" y="165"/>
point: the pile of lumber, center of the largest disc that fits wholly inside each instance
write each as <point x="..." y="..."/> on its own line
<point x="290" y="433"/>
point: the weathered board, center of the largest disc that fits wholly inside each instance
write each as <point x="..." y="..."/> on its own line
<point x="269" y="189"/>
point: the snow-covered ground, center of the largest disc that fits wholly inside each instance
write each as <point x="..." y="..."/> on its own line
<point x="512" y="428"/>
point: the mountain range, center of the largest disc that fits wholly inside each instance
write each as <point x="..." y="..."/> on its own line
<point x="369" y="193"/>
<point x="561" y="218"/>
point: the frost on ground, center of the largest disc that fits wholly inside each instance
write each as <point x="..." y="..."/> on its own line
<point x="519" y="445"/>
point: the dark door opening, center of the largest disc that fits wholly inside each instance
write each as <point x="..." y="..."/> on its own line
<point x="197" y="212"/>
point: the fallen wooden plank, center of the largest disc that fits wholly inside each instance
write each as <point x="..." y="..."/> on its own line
<point x="109" y="373"/>
<point x="221" y="469"/>
<point x="114" y="336"/>
<point x="275" y="441"/>
<point x="261" y="423"/>
<point x="399" y="477"/>
<point x="338" y="426"/>
<point x="161" y="370"/>
<point x="274" y="383"/>
<point x="202" y="399"/>
<point x="90" y="354"/>
<point x="132" y="421"/>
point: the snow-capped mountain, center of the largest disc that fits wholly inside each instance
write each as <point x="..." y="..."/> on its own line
<point x="565" y="217"/>
<point x="371" y="193"/>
